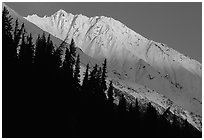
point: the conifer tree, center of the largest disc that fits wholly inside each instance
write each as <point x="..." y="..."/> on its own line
<point x="26" y="49"/>
<point x="93" y="76"/>
<point x="101" y="95"/>
<point x="110" y="100"/>
<point x="57" y="61"/>
<point x="22" y="52"/>
<point x="67" y="66"/>
<point x="99" y="77"/>
<point x="50" y="47"/>
<point x="7" y="39"/>
<point x="86" y="78"/>
<point x="43" y="38"/>
<point x="110" y="93"/>
<point x="30" y="46"/>
<point x="44" y="52"/>
<point x="92" y="92"/>
<point x="150" y="120"/>
<point x="69" y="61"/>
<point x="40" y="52"/>
<point x="16" y="28"/>
<point x="122" y="105"/>
<point x="175" y="127"/>
<point x="72" y="49"/>
<point x="6" y="26"/>
<point x="17" y="33"/>
<point x="77" y="73"/>
<point x="86" y="90"/>
<point x="122" y="115"/>
<point x="70" y="55"/>
<point x="103" y="79"/>
<point x="136" y="109"/>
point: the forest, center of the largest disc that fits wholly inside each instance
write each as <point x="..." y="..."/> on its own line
<point x="42" y="96"/>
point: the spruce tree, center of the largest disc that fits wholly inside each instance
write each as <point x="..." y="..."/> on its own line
<point x="110" y="100"/>
<point x="69" y="61"/>
<point x="50" y="58"/>
<point x="103" y="79"/>
<point x="41" y="52"/>
<point x="16" y="28"/>
<point x="26" y="50"/>
<point x="86" y="78"/>
<point x="175" y="127"/>
<point x="17" y="33"/>
<point x="86" y="89"/>
<point x="93" y="75"/>
<point x="6" y="26"/>
<point x="99" y="77"/>
<point x="67" y="67"/>
<point x="99" y="91"/>
<point x="110" y="93"/>
<point x="92" y="93"/>
<point x="22" y="52"/>
<point x="72" y="49"/>
<point x="50" y="46"/>
<point x="122" y="115"/>
<point x="57" y="61"/>
<point x="151" y="121"/>
<point x="30" y="46"/>
<point x="136" y="109"/>
<point x="122" y="105"/>
<point x="77" y="73"/>
<point x="38" y="51"/>
<point x="7" y="39"/>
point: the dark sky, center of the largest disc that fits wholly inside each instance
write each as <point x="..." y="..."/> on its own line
<point x="179" y="25"/>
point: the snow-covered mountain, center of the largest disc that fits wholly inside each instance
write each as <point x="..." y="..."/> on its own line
<point x="131" y="57"/>
<point x="130" y="66"/>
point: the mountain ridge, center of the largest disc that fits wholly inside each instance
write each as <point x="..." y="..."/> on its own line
<point x="61" y="11"/>
<point x="103" y="37"/>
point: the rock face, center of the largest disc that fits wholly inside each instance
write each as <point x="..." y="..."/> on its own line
<point x="131" y="57"/>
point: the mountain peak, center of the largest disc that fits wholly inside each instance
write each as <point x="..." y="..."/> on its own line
<point x="133" y="56"/>
<point x="61" y="11"/>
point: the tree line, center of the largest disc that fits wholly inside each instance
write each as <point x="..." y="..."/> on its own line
<point x="43" y="95"/>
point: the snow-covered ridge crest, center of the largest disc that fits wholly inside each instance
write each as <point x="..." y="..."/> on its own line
<point x="61" y="19"/>
<point x="131" y="57"/>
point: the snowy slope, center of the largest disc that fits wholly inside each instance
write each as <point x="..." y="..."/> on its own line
<point x="131" y="57"/>
<point x="145" y="95"/>
<point x="159" y="101"/>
